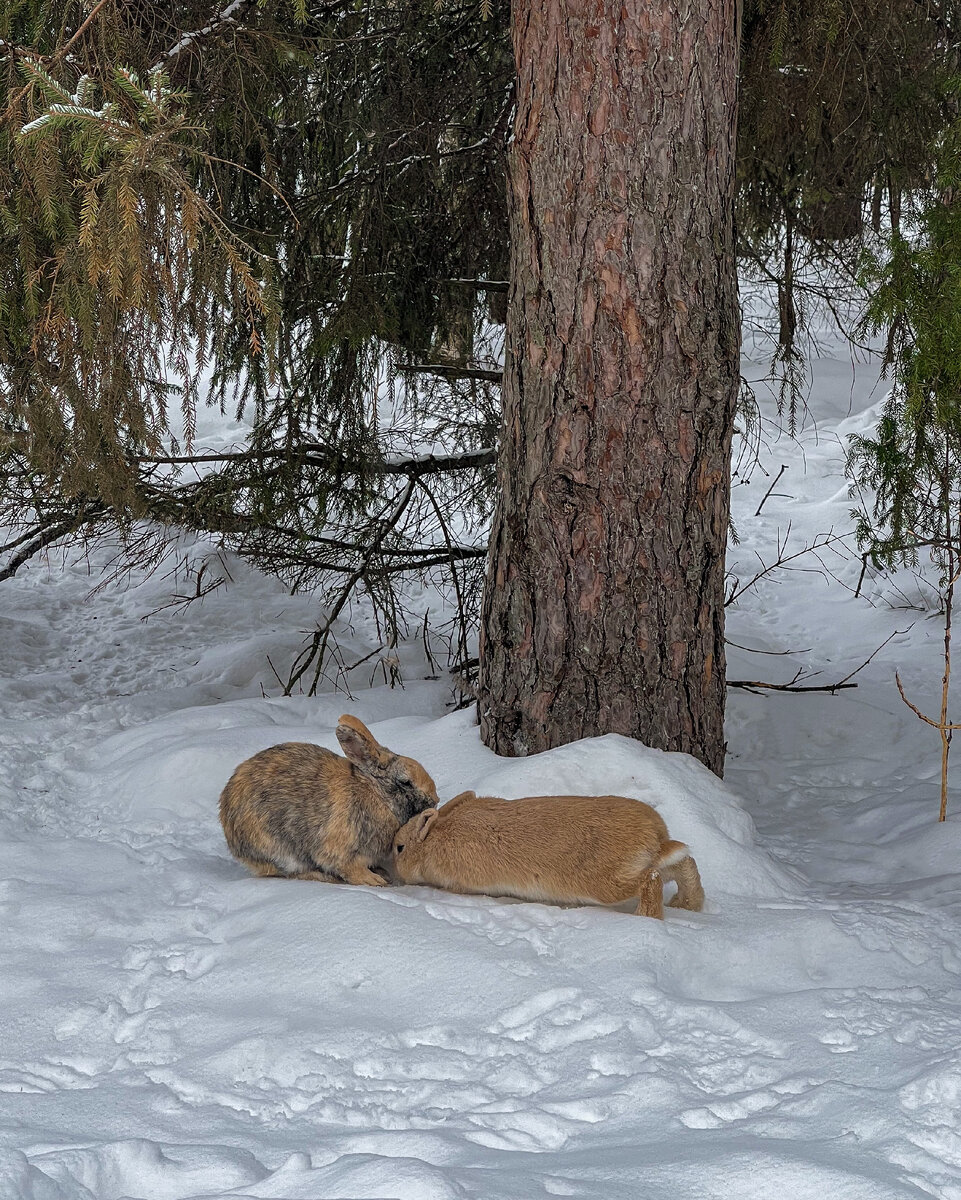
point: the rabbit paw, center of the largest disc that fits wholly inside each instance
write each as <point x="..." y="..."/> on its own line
<point x="357" y="873"/>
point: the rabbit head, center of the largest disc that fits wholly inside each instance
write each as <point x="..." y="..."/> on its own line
<point x="408" y="841"/>
<point x="403" y="782"/>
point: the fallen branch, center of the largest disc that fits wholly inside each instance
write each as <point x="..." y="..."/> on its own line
<point x="794" y="686"/>
<point x="897" y="633"/>
<point x="752" y="684"/>
<point x="773" y="653"/>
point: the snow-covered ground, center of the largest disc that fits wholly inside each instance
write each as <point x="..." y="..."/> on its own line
<point x="171" y="1027"/>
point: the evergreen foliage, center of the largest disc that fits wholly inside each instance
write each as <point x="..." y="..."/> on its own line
<point x="912" y="465"/>
<point x="840" y="103"/>
<point x="301" y="205"/>
<point x="318" y="179"/>
<point x="840" y="108"/>
<point x="96" y="313"/>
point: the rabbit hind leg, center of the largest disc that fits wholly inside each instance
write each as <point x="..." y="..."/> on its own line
<point x="270" y="870"/>
<point x="690" y="893"/>
<point x="650" y="894"/>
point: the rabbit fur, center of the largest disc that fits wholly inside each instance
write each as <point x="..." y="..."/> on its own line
<point x="302" y="812"/>
<point x="560" y="849"/>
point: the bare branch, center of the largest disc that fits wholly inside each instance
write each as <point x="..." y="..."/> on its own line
<point x="770" y="489"/>
<point x="773" y="653"/>
<point x="789" y="687"/>
<point x="88" y="20"/>
<point x="449" y="371"/>
<point x="917" y="712"/>
<point x="794" y="686"/>
<point x="51" y="534"/>
<point x="897" y="633"/>
<point x="314" y="454"/>
<point x="462" y="621"/>
<point x="318" y="645"/>
<point x="781" y="561"/>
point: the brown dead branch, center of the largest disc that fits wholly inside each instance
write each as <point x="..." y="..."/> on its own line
<point x="757" y="684"/>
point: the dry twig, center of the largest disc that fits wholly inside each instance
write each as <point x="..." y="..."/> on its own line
<point x="770" y="489"/>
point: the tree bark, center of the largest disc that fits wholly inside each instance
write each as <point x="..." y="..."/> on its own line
<point x="604" y="603"/>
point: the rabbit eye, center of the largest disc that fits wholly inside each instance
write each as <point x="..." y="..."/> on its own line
<point x="399" y="848"/>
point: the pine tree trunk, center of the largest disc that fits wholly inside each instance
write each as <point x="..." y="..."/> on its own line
<point x="604" y="603"/>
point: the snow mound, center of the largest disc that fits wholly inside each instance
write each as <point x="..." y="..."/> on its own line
<point x="698" y="808"/>
<point x="171" y="771"/>
<point x="138" y="1167"/>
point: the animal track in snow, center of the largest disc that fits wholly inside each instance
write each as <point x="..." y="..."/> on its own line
<point x="903" y="1016"/>
<point x="556" y="1019"/>
<point x="510" y="1085"/>
<point x="897" y="929"/>
<point x="715" y="1052"/>
<point x="46" y="1076"/>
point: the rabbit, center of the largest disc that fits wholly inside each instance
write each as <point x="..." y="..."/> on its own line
<point x="560" y="849"/>
<point x="302" y="812"/>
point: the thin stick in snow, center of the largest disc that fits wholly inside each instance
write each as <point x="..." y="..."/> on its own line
<point x="771" y="489"/>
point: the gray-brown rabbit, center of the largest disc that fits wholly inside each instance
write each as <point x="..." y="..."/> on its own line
<point x="302" y="812"/>
<point x="559" y="849"/>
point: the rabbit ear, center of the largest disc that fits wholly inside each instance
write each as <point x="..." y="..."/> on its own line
<point x="360" y="745"/>
<point x="422" y="823"/>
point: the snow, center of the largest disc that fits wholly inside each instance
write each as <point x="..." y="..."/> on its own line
<point x="172" y="1028"/>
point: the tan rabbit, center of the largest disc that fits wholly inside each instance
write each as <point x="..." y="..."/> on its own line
<point x="560" y="849"/>
<point x="303" y="812"/>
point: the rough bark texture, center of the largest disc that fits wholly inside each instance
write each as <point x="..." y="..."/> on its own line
<point x="604" y="603"/>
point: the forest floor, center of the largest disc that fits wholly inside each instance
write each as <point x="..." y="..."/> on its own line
<point x="171" y="1027"/>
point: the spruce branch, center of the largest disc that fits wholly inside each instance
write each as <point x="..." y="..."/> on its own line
<point x="229" y="17"/>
